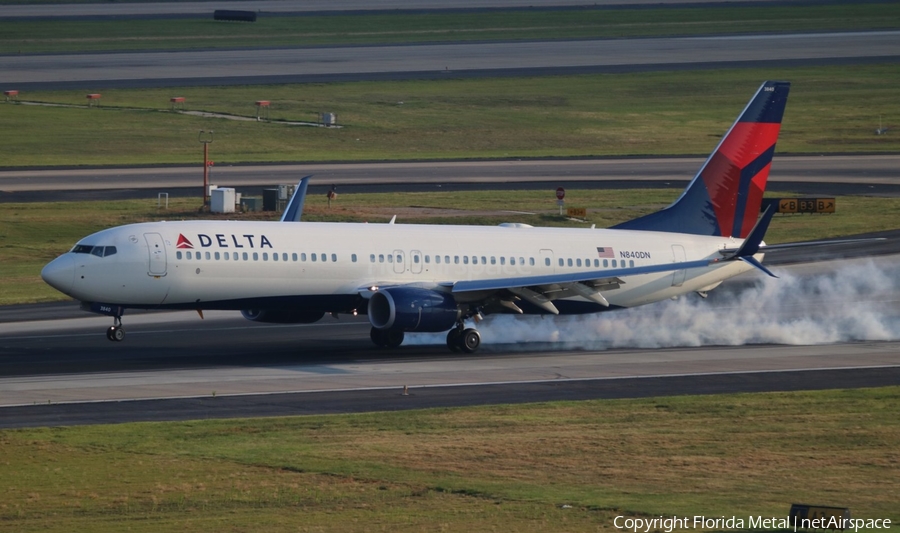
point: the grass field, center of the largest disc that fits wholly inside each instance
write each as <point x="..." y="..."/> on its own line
<point x="34" y="233"/>
<point x="494" y="468"/>
<point x="41" y="36"/>
<point x="830" y="109"/>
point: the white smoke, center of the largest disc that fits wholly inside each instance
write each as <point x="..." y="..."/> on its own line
<point x="857" y="301"/>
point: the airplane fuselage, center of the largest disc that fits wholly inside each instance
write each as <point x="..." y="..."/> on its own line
<point x="327" y="266"/>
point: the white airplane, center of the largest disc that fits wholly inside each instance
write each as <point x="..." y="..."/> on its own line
<point x="412" y="278"/>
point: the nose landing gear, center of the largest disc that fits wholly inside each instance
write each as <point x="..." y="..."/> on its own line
<point x="116" y="332"/>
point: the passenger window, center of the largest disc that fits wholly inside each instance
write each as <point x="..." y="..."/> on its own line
<point x="605" y="263"/>
<point x="512" y="261"/>
<point x="312" y="257"/>
<point x="98" y="251"/>
<point x="218" y="256"/>
<point x="234" y="256"/>
<point x="323" y="257"/>
<point x="399" y="258"/>
<point x="614" y="263"/>
<point x="274" y="257"/>
<point x="562" y="262"/>
<point x="447" y="259"/>
<point x="110" y="250"/>
<point x="353" y="257"/>
<point x="416" y="259"/>
<point x="427" y="259"/>
<point x="483" y="260"/>
<point x="390" y="258"/>
<point x="474" y="259"/>
<point x="631" y="263"/>
<point x="189" y="255"/>
<point x="265" y="256"/>
<point x="569" y="261"/>
<point x="437" y="259"/>
<point x="244" y="254"/>
<point x="372" y="258"/>
<point x="294" y="257"/>
<point x="456" y="259"/>
<point x="493" y="260"/>
<point x="596" y="263"/>
<point x="226" y="256"/>
<point x="207" y="255"/>
<point x="177" y="255"/>
<point x="578" y="262"/>
<point x="334" y="258"/>
<point x="465" y="259"/>
<point x="502" y="260"/>
<point x="303" y="257"/>
<point x="381" y="258"/>
<point x="255" y="256"/>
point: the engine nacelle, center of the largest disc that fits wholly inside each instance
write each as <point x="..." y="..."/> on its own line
<point x="412" y="309"/>
<point x="280" y="316"/>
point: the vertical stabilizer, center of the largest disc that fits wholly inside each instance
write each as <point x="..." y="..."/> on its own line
<point x="725" y="196"/>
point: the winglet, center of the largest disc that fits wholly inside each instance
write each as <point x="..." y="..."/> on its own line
<point x="752" y="243"/>
<point x="295" y="207"/>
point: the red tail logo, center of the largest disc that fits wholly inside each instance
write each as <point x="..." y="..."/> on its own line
<point x="183" y="242"/>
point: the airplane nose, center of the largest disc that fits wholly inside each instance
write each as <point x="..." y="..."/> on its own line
<point x="60" y="273"/>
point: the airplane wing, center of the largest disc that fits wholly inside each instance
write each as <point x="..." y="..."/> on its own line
<point x="542" y="290"/>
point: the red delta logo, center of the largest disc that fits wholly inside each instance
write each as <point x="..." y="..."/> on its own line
<point x="183" y="242"/>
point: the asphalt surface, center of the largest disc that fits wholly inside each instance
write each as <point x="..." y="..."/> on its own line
<point x="309" y="7"/>
<point x="174" y="366"/>
<point x="834" y="175"/>
<point x="435" y="61"/>
<point x="422" y="398"/>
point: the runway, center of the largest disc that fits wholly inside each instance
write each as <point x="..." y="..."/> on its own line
<point x="173" y="364"/>
<point x="429" y="61"/>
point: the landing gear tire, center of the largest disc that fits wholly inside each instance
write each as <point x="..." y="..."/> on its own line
<point x="453" y="339"/>
<point x="115" y="333"/>
<point x="377" y="338"/>
<point x="470" y="340"/>
<point x="386" y="339"/>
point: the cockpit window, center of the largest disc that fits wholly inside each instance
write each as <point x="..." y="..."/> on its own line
<point x="82" y="249"/>
<point x="99" y="251"/>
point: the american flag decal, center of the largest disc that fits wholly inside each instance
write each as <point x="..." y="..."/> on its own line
<point x="605" y="252"/>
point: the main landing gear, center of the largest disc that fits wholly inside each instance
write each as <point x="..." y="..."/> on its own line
<point x="463" y="339"/>
<point x="116" y="332"/>
<point x="459" y="339"/>
<point x="386" y="338"/>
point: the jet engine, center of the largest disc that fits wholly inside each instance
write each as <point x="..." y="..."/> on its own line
<point x="412" y="309"/>
<point x="280" y="316"/>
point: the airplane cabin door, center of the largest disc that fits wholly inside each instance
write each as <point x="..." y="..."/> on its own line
<point x="399" y="265"/>
<point x="545" y="256"/>
<point x="679" y="257"/>
<point x="415" y="261"/>
<point x="157" y="248"/>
